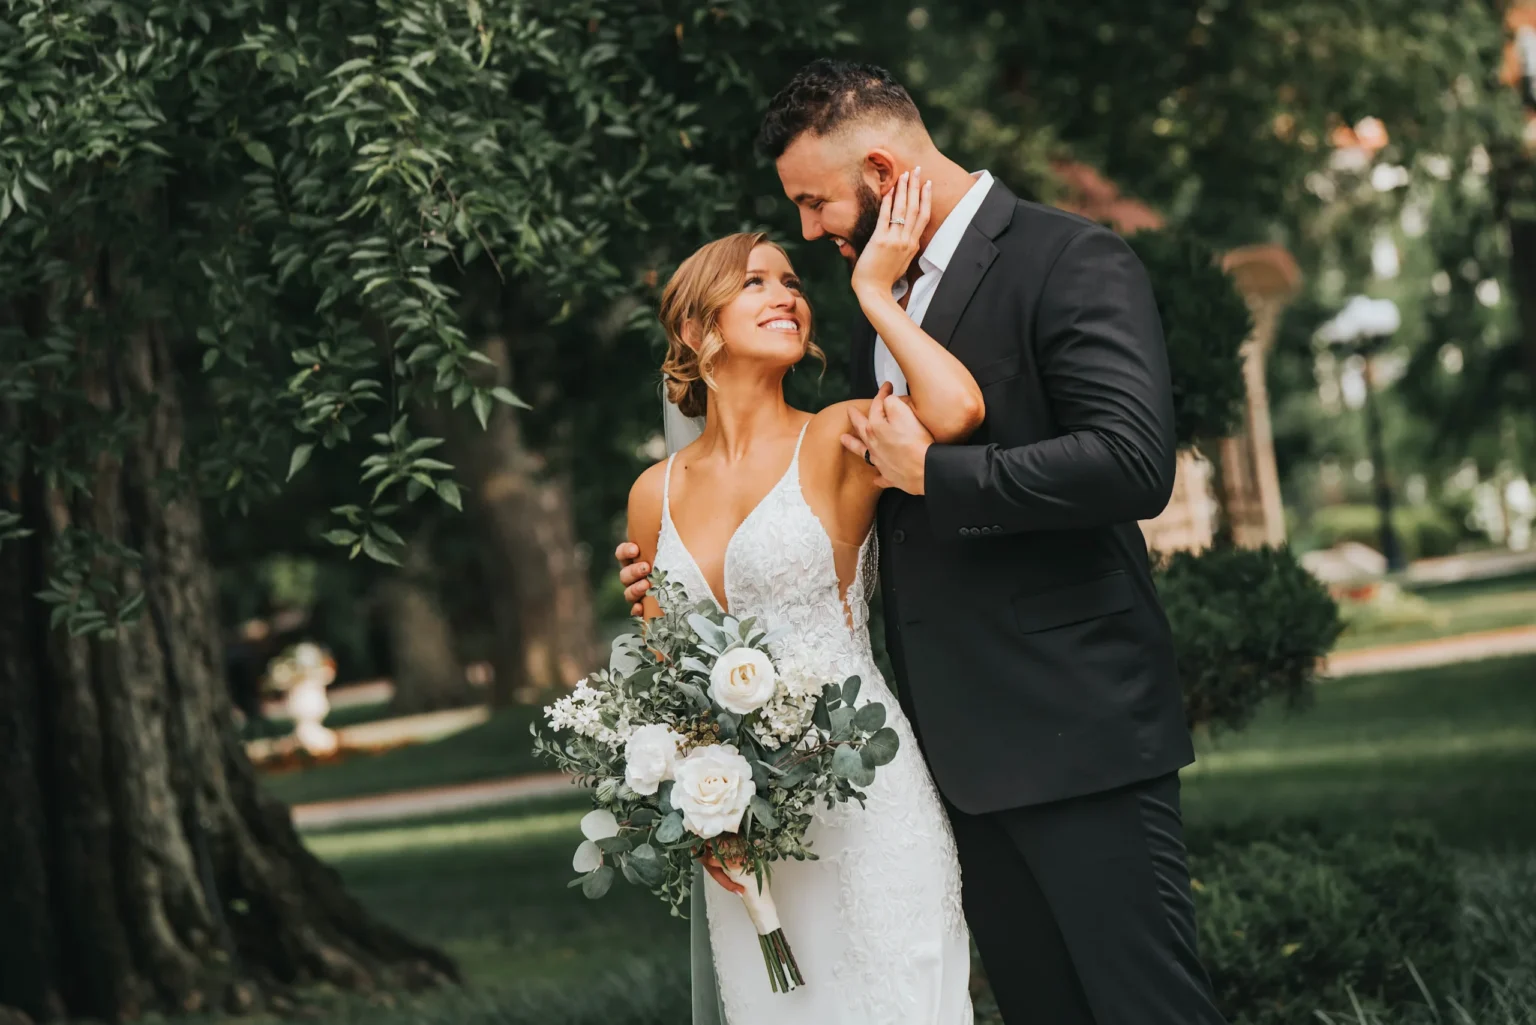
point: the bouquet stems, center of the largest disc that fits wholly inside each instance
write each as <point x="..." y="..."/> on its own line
<point x="783" y="972"/>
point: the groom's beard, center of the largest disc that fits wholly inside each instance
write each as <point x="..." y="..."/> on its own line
<point x="869" y="220"/>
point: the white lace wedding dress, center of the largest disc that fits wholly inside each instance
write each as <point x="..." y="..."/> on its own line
<point x="875" y="922"/>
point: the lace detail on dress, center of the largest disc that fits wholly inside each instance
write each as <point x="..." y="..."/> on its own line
<point x="895" y="943"/>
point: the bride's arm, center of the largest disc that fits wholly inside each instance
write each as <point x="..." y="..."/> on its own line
<point x="941" y="391"/>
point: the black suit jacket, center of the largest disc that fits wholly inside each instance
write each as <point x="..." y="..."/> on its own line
<point x="1031" y="652"/>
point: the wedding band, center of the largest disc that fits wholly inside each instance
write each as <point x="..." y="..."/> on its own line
<point x="897" y="220"/>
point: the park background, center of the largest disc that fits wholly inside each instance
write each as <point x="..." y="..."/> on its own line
<point x="327" y="356"/>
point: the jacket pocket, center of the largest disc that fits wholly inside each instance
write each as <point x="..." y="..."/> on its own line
<point x="998" y="370"/>
<point x="1075" y="603"/>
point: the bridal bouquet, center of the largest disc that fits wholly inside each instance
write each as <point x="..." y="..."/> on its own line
<point x="698" y="744"/>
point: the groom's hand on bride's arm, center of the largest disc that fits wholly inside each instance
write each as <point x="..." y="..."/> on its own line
<point x="892" y="440"/>
<point x="633" y="574"/>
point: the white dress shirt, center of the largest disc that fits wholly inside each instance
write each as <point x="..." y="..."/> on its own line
<point x="933" y="260"/>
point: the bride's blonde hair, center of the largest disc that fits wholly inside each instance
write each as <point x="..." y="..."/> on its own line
<point x="703" y="286"/>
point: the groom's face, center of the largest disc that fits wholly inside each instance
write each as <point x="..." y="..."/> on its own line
<point x="833" y="190"/>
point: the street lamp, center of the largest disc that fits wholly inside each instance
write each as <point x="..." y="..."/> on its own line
<point x="1361" y="328"/>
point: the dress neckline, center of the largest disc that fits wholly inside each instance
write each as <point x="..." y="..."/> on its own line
<point x="791" y="471"/>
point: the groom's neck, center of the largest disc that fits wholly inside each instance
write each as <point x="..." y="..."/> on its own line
<point x="950" y="184"/>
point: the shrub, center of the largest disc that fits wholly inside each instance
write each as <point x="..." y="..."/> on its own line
<point x="1205" y="323"/>
<point x="1298" y="923"/>
<point x="1248" y="624"/>
<point x="1423" y="531"/>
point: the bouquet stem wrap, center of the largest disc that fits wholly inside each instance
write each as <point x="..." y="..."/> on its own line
<point x="783" y="973"/>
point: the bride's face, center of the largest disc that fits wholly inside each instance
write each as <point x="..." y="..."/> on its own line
<point x="768" y="322"/>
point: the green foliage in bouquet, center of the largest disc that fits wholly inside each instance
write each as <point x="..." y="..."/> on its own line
<point x="1205" y="323"/>
<point x="1248" y="624"/>
<point x="1295" y="924"/>
<point x="806" y="741"/>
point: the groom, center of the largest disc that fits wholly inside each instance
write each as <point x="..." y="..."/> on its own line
<point x="1031" y="653"/>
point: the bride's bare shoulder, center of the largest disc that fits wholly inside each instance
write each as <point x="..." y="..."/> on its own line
<point x="645" y="499"/>
<point x="834" y="420"/>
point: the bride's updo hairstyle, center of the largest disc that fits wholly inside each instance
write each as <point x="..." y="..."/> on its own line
<point x="690" y="306"/>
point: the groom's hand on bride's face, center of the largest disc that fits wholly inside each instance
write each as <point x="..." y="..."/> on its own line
<point x="894" y="439"/>
<point x="635" y="576"/>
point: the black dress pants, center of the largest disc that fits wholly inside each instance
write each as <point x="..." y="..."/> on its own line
<point x="1082" y="912"/>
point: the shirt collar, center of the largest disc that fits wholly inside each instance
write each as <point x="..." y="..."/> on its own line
<point x="941" y="248"/>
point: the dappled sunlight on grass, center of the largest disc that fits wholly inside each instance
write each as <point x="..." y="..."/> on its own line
<point x="411" y="838"/>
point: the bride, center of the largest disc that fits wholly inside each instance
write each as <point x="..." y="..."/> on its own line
<point x="770" y="516"/>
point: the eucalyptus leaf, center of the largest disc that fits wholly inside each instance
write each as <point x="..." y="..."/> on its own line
<point x="881" y="748"/>
<point x="648" y="864"/>
<point x="869" y="718"/>
<point x="846" y="762"/>
<point x="671" y="829"/>
<point x="851" y="689"/>
<point x="598" y="883"/>
<point x="762" y="811"/>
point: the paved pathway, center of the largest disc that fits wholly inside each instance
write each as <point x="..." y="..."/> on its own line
<point x="1440" y="651"/>
<point x="409" y="804"/>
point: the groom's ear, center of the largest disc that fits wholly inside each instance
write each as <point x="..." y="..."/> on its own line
<point x="880" y="171"/>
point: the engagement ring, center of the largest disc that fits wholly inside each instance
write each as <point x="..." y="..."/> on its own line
<point x="897" y="220"/>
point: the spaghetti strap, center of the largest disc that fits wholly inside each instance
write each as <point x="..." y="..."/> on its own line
<point x="666" y="489"/>
<point x="795" y="460"/>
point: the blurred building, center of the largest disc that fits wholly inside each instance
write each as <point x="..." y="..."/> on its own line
<point x="1244" y="485"/>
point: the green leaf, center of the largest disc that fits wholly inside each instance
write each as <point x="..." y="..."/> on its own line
<point x="648" y="865"/>
<point x="846" y="762"/>
<point x="259" y="152"/>
<point x="448" y="491"/>
<point x="613" y="844"/>
<point x="389" y="534"/>
<point x="881" y="748"/>
<point x="671" y="829"/>
<point x="209" y="359"/>
<point x="597" y="883"/>
<point x="377" y="551"/>
<point x="340" y="537"/>
<point x="482" y="406"/>
<point x="300" y="457"/>
<point x="869" y="718"/>
<point x="505" y="395"/>
<point x="762" y="811"/>
<point x="851" y="689"/>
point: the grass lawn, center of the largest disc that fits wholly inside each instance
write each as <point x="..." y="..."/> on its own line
<point x="1445" y="610"/>
<point x="494" y="749"/>
<point x="1455" y="746"/>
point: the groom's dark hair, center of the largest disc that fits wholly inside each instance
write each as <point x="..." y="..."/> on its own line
<point x="827" y="94"/>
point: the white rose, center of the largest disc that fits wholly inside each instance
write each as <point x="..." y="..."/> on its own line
<point x="714" y="787"/>
<point x="649" y="757"/>
<point x="742" y="681"/>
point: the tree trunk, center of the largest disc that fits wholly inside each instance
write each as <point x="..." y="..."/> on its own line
<point x="144" y="866"/>
<point x="540" y="599"/>
<point x="425" y="668"/>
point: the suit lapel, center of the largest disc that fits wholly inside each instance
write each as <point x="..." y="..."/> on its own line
<point x="861" y="366"/>
<point x="969" y="263"/>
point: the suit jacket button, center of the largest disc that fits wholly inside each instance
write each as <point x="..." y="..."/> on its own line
<point x="967" y="531"/>
<point x="898" y="535"/>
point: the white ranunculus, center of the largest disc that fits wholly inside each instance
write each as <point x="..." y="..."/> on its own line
<point x="742" y="680"/>
<point x="650" y="757"/>
<point x="714" y="787"/>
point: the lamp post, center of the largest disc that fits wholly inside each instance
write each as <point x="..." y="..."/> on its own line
<point x="1361" y="328"/>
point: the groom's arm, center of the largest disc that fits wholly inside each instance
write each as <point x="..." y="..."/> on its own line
<point x="1100" y="352"/>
